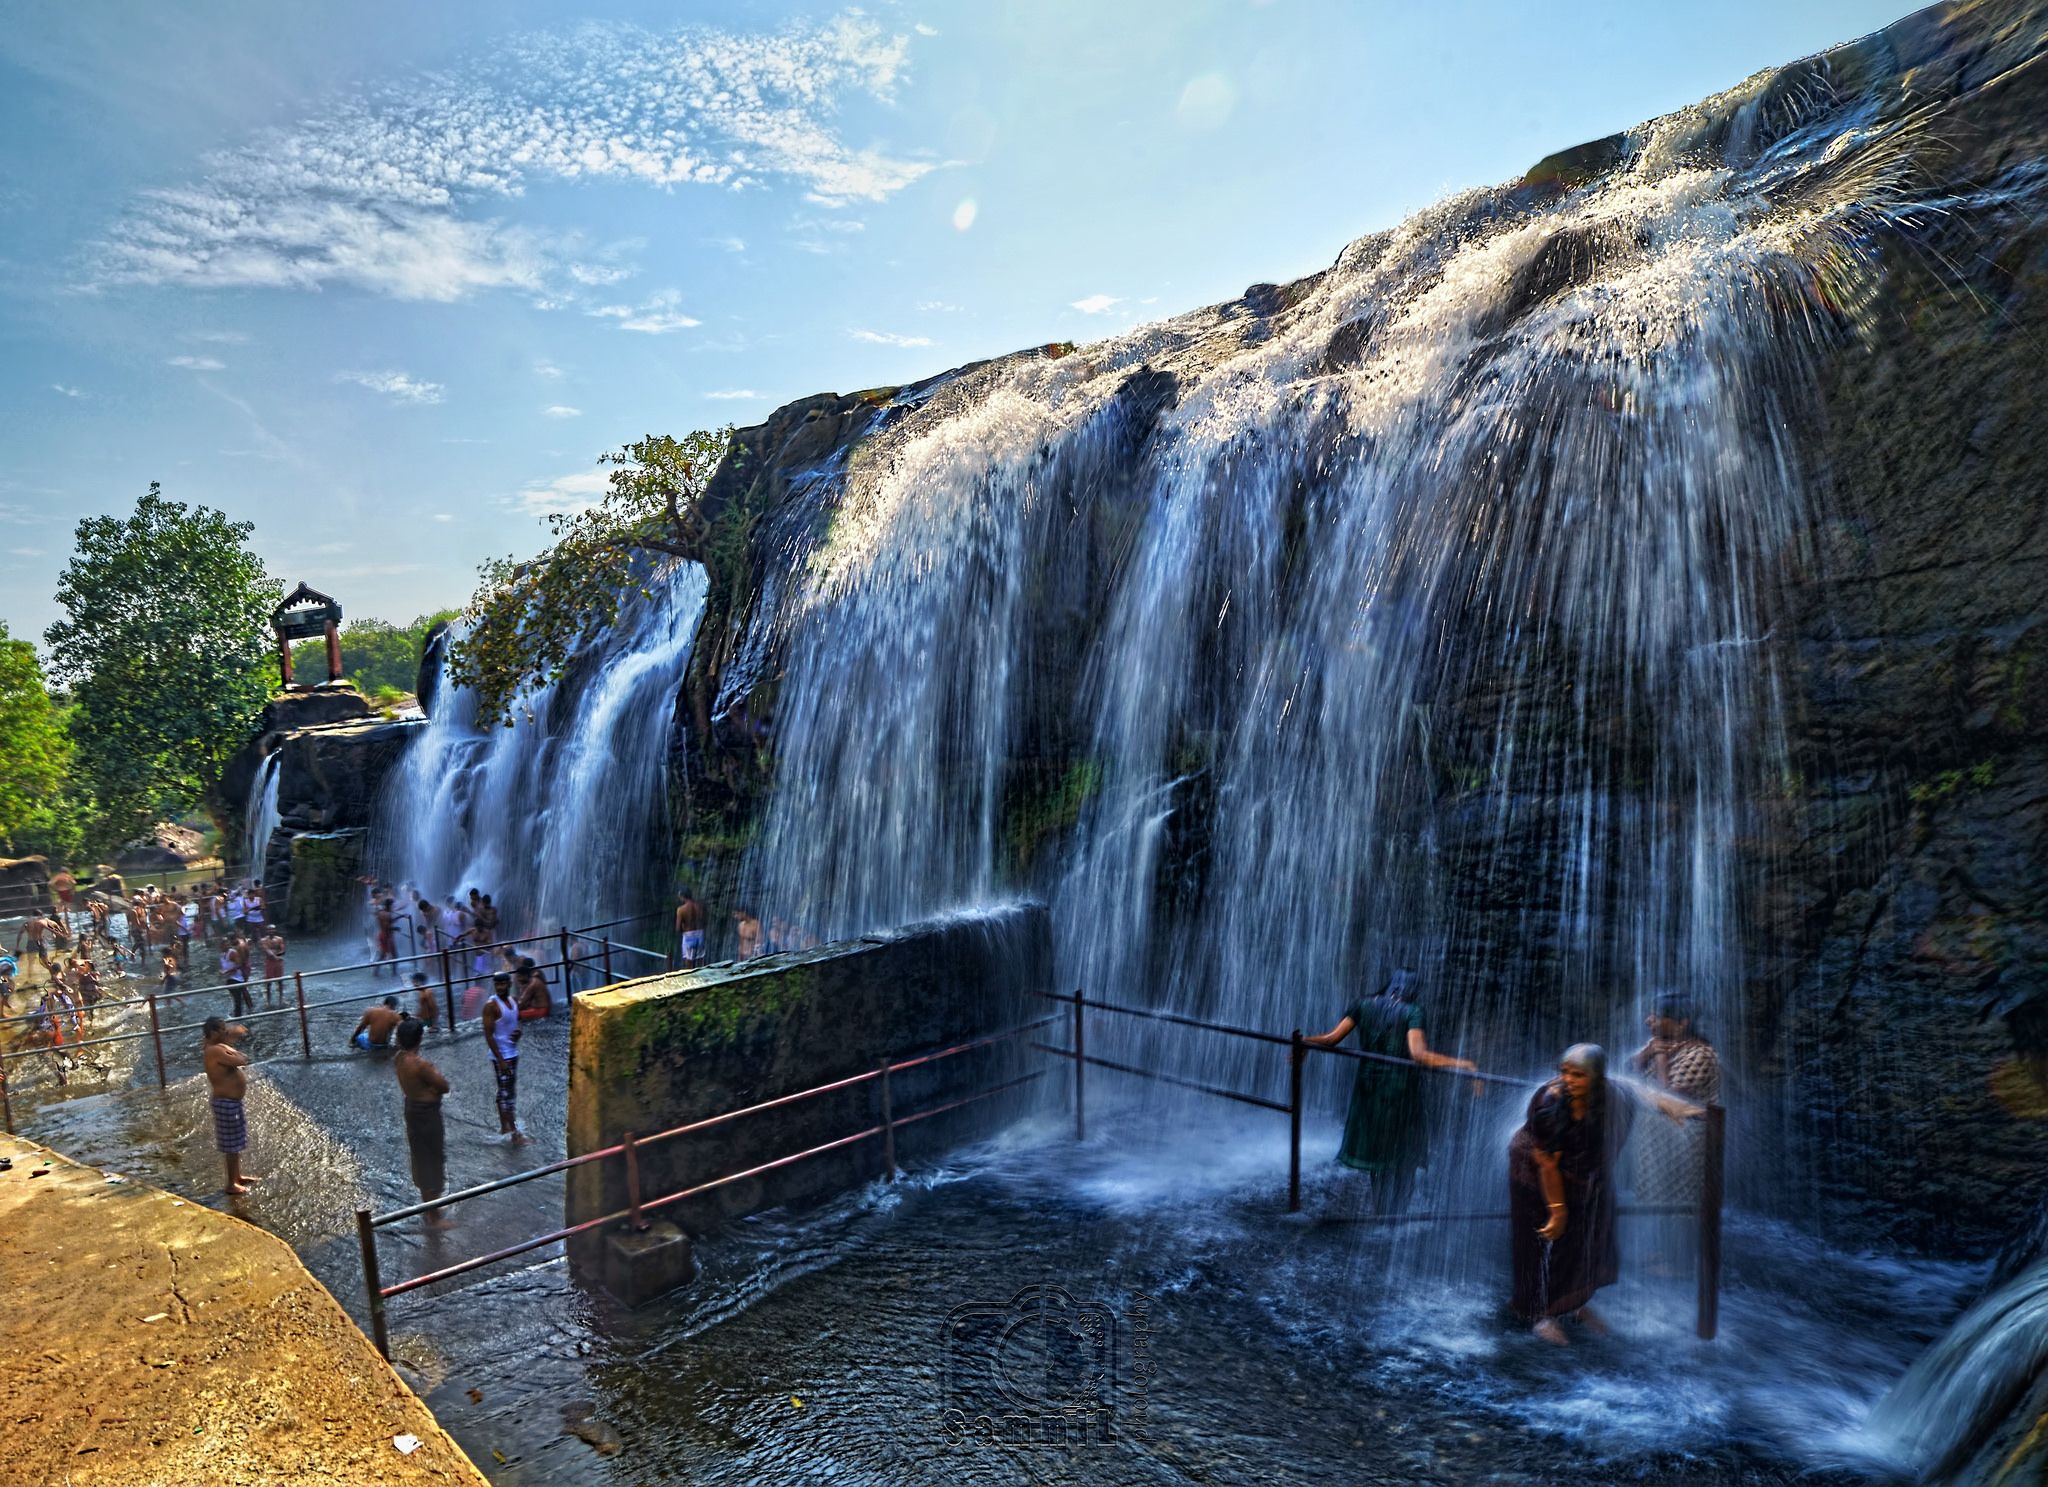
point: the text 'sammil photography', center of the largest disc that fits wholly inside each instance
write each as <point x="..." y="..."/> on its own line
<point x="949" y="743"/>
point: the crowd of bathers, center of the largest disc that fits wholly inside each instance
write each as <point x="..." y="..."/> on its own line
<point x="463" y="927"/>
<point x="69" y="955"/>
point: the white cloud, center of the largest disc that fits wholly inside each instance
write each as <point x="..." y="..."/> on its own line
<point x="564" y="494"/>
<point x="69" y="392"/>
<point x="1206" y="102"/>
<point x="198" y="364"/>
<point x="389" y="190"/>
<point x="730" y="244"/>
<point x="964" y="215"/>
<point x="400" y="387"/>
<point x="545" y="368"/>
<point x="736" y="395"/>
<point x="938" y="306"/>
<point x="1095" y="304"/>
<point x="889" y="338"/>
<point x="655" y="317"/>
<point x="28" y="552"/>
<point x="219" y="337"/>
<point x="561" y="410"/>
<point x="824" y="234"/>
<point x="443" y="516"/>
<point x="923" y="30"/>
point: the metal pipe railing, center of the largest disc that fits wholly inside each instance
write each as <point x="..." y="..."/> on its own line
<point x="1708" y="1210"/>
<point x="630" y="1148"/>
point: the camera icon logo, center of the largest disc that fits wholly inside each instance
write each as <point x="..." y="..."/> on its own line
<point x="1037" y="1370"/>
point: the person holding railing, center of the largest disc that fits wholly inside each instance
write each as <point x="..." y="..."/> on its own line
<point x="501" y="1036"/>
<point x="387" y="937"/>
<point x="1561" y="1188"/>
<point x="1385" y="1131"/>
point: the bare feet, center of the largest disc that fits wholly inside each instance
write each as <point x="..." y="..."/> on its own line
<point x="520" y="1138"/>
<point x="435" y="1223"/>
<point x="237" y="1189"/>
<point x="1593" y="1322"/>
<point x="1549" y="1330"/>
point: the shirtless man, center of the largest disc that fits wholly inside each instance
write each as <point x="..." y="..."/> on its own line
<point x="273" y="966"/>
<point x="429" y="1007"/>
<point x="426" y="1138"/>
<point x="33" y="938"/>
<point x="224" y="1077"/>
<point x="689" y="931"/>
<point x="534" y="1000"/>
<point x="749" y="925"/>
<point x="172" y="983"/>
<point x="387" y="937"/>
<point x="377" y="1025"/>
<point x="66" y="888"/>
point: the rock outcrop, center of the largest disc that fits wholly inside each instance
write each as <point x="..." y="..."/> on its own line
<point x="333" y="751"/>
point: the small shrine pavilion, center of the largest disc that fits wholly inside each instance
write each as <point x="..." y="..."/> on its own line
<point x="307" y="612"/>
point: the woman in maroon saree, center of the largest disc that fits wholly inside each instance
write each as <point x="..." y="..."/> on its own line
<point x="1561" y="1188"/>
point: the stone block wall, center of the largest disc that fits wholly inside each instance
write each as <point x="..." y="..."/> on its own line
<point x="660" y="1052"/>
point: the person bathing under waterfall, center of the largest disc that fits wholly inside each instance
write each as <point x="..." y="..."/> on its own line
<point x="1561" y="1188"/>
<point x="1384" y="1131"/>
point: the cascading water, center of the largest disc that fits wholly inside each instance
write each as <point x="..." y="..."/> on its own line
<point x="260" y="819"/>
<point x="1428" y="624"/>
<point x="554" y="817"/>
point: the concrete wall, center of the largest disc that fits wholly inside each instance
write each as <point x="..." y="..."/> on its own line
<point x="650" y="1054"/>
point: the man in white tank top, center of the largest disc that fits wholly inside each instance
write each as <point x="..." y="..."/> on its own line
<point x="501" y="1037"/>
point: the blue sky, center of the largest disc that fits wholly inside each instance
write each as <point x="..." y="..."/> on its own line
<point x="386" y="278"/>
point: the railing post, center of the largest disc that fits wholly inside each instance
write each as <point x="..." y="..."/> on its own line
<point x="1713" y="1141"/>
<point x="1080" y="1064"/>
<point x="448" y="986"/>
<point x="6" y="1104"/>
<point x="608" y="960"/>
<point x="373" y="1282"/>
<point x="156" y="1033"/>
<point x="1297" y="1055"/>
<point x="633" y="1217"/>
<point x="568" y="979"/>
<point x="305" y="1035"/>
<point x="888" y="1127"/>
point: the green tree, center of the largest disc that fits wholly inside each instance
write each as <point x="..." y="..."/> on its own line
<point x="163" y="648"/>
<point x="527" y="620"/>
<point x="35" y="757"/>
<point x="380" y="658"/>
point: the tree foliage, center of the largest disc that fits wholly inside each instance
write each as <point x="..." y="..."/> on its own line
<point x="163" y="648"/>
<point x="380" y="658"/>
<point x="35" y="757"/>
<point x="527" y="620"/>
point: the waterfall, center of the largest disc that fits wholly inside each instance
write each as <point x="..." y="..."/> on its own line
<point x="259" y="819"/>
<point x="556" y="816"/>
<point x="1420" y="613"/>
<point x="1961" y="1389"/>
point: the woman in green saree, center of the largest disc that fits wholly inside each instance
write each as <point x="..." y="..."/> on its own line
<point x="1384" y="1132"/>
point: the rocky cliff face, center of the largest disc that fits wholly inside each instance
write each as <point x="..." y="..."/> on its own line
<point x="1895" y="936"/>
<point x="333" y="752"/>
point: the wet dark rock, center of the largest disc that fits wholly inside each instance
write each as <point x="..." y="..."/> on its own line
<point x="1579" y="164"/>
<point x="433" y="658"/>
<point x="168" y="848"/>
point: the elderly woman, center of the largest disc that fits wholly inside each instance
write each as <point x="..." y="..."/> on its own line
<point x="1561" y="1188"/>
